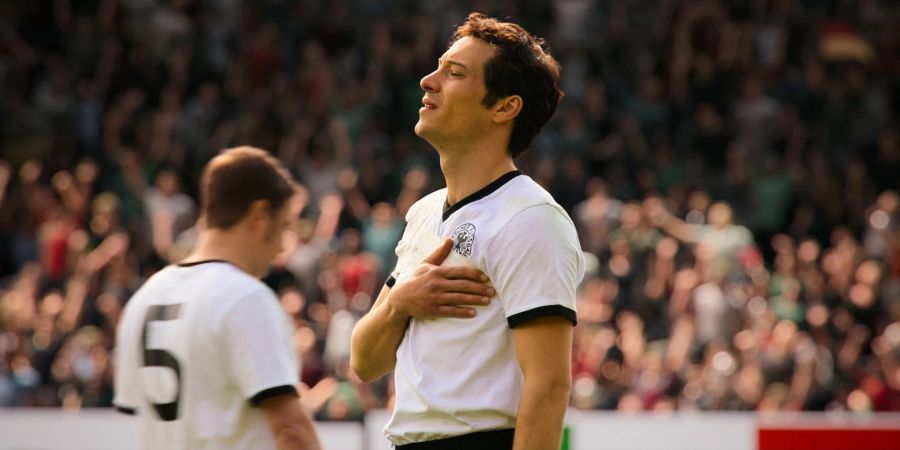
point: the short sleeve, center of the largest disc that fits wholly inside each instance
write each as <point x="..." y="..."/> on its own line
<point x="127" y="386"/>
<point x="259" y="343"/>
<point x="535" y="262"/>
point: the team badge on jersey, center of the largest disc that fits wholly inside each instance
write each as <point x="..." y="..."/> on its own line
<point x="463" y="238"/>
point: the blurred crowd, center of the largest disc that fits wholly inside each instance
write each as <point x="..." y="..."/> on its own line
<point x="732" y="168"/>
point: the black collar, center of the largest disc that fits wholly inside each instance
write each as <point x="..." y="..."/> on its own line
<point x="204" y="261"/>
<point x="480" y="194"/>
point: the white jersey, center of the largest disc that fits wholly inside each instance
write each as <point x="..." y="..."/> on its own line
<point x="460" y="375"/>
<point x="197" y="347"/>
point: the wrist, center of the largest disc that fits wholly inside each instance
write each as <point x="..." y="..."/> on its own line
<point x="395" y="314"/>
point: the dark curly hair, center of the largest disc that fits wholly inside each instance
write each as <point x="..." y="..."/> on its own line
<point x="521" y="66"/>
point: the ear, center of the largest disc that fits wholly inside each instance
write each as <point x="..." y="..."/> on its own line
<point x="258" y="212"/>
<point x="201" y="223"/>
<point x="507" y="108"/>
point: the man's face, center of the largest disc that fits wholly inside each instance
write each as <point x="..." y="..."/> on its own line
<point x="280" y="221"/>
<point x="452" y="106"/>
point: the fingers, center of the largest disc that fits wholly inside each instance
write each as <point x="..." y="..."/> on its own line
<point x="456" y="299"/>
<point x="440" y="253"/>
<point x="462" y="273"/>
<point x="454" y="311"/>
<point x="467" y="287"/>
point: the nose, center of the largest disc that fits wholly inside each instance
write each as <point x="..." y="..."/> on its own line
<point x="429" y="82"/>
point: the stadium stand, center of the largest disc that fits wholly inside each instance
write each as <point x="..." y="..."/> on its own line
<point x="733" y="172"/>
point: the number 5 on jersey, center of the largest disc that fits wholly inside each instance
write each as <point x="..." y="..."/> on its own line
<point x="160" y="358"/>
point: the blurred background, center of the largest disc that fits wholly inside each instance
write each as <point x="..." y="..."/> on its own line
<point x="732" y="168"/>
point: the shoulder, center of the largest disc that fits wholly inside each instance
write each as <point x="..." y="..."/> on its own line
<point x="224" y="276"/>
<point x="530" y="221"/>
<point x="245" y="288"/>
<point x="218" y="283"/>
<point x="245" y="305"/>
<point x="542" y="222"/>
<point x="525" y="204"/>
<point x="157" y="283"/>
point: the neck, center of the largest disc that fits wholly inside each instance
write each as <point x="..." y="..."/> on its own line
<point x="225" y="245"/>
<point x="470" y="167"/>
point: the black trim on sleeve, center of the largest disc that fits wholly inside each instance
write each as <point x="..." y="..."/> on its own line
<point x="542" y="311"/>
<point x="273" y="392"/>
<point x="480" y="194"/>
<point x="390" y="281"/>
<point x="124" y="410"/>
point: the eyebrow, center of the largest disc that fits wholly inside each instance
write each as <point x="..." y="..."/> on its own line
<point x="453" y="63"/>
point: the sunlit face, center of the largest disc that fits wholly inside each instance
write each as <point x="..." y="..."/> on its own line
<point x="452" y="107"/>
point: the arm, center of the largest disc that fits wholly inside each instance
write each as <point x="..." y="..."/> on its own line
<point x="802" y="381"/>
<point x="330" y="206"/>
<point x="431" y="291"/>
<point x="537" y="289"/>
<point x="257" y="341"/>
<point x="291" y="427"/>
<point x="848" y="355"/>
<point x="888" y="361"/>
<point x="663" y="219"/>
<point x="373" y="345"/>
<point x="544" y="352"/>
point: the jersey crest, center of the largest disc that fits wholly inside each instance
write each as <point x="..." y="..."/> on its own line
<point x="463" y="238"/>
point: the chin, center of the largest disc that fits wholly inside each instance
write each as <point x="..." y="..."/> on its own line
<point x="426" y="132"/>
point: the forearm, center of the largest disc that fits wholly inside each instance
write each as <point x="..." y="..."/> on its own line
<point x="677" y="228"/>
<point x="542" y="411"/>
<point x="300" y="436"/>
<point x="373" y="345"/>
<point x="429" y="292"/>
<point x="890" y="368"/>
<point x="291" y="426"/>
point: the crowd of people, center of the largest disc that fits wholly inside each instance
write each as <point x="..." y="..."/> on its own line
<point x="733" y="171"/>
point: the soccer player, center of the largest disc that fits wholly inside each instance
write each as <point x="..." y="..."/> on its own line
<point x="476" y="365"/>
<point x="205" y="352"/>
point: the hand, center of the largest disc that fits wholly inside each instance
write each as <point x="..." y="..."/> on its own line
<point x="62" y="181"/>
<point x="347" y="179"/>
<point x="434" y="291"/>
<point x="331" y="203"/>
<point x="655" y="211"/>
<point x="880" y="347"/>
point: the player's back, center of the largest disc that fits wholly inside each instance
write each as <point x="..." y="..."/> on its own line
<point x="196" y="345"/>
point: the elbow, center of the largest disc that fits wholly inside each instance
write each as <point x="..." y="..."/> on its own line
<point x="558" y="394"/>
<point x="561" y="388"/>
<point x="356" y="365"/>
<point x="365" y="376"/>
<point x="369" y="360"/>
<point x="288" y="436"/>
<point x="556" y="389"/>
<point x="361" y="370"/>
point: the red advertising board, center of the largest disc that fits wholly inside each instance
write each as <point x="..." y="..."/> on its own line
<point x="829" y="433"/>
